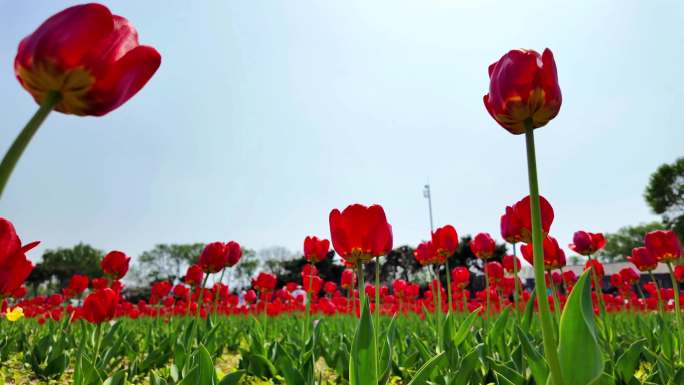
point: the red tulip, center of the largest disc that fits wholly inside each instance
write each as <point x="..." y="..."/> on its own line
<point x="569" y="277"/>
<point x="360" y="233"/>
<point x="629" y="275"/>
<point x="494" y="272"/>
<point x="14" y="266"/>
<point x="663" y="245"/>
<point x="115" y="264"/>
<point x="616" y="280"/>
<point x="265" y="282"/>
<point x="91" y="57"/>
<point x="426" y="254"/>
<point x="234" y="253"/>
<point x="329" y="287"/>
<point x="554" y="256"/>
<point x="218" y="255"/>
<point x="445" y="240"/>
<point x="460" y="276"/>
<point x="511" y="263"/>
<point x="516" y="223"/>
<point x="596" y="265"/>
<point x="679" y="273"/>
<point x="586" y="243"/>
<point x="316" y="250"/>
<point x="194" y="275"/>
<point x="100" y="306"/>
<point x="310" y="283"/>
<point x="250" y="296"/>
<point x="159" y="290"/>
<point x="100" y="283"/>
<point x="348" y="279"/>
<point x="643" y="259"/>
<point x="523" y="88"/>
<point x="77" y="285"/>
<point x="483" y="246"/>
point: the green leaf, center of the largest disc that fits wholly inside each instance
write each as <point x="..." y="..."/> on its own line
<point x="363" y="362"/>
<point x="285" y="364"/>
<point x="526" y="321"/>
<point x="423" y="374"/>
<point x="207" y="373"/>
<point x="577" y="338"/>
<point x="156" y="380"/>
<point x="232" y="378"/>
<point x="119" y="378"/>
<point x="463" y="329"/>
<point x="628" y="362"/>
<point x="536" y="362"/>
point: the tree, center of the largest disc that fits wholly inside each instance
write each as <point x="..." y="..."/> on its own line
<point x="665" y="195"/>
<point x="620" y="244"/>
<point x="242" y="272"/>
<point x="166" y="261"/>
<point x="60" y="264"/>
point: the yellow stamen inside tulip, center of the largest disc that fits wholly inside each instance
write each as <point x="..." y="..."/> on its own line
<point x="73" y="85"/>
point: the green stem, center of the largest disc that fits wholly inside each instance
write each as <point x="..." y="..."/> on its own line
<point x="14" y="153"/>
<point x="538" y="251"/>
<point x="487" y="291"/>
<point x="678" y="311"/>
<point x="377" y="299"/>
<point x="98" y="339"/>
<point x="516" y="295"/>
<point x="308" y="303"/>
<point x="448" y="275"/>
<point x="657" y="289"/>
<point x="199" y="307"/>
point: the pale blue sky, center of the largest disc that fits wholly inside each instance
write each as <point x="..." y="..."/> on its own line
<point x="265" y="115"/>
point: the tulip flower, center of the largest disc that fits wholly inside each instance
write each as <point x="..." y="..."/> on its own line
<point x="115" y="264"/>
<point x="554" y="256"/>
<point x="523" y="90"/>
<point x="643" y="259"/>
<point x="483" y="246"/>
<point x="426" y="254"/>
<point x="597" y="266"/>
<point x="516" y="223"/>
<point x="679" y="273"/>
<point x="316" y="250"/>
<point x="586" y="243"/>
<point x="265" y="282"/>
<point x="663" y="245"/>
<point x="15" y="314"/>
<point x="494" y="271"/>
<point x="461" y="276"/>
<point x="14" y="266"/>
<point x="629" y="276"/>
<point x="348" y="279"/>
<point x="510" y="263"/>
<point x="83" y="61"/>
<point x="77" y="285"/>
<point x="445" y="240"/>
<point x="194" y="275"/>
<point x="360" y="233"/>
<point x="100" y="305"/>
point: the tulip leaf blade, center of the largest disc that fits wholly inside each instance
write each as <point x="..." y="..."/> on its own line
<point x="363" y="362"/>
<point x="577" y="337"/>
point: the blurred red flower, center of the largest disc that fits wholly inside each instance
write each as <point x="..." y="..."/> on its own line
<point x="316" y="250"/>
<point x="14" y="266"/>
<point x="115" y="264"/>
<point x="586" y="243"/>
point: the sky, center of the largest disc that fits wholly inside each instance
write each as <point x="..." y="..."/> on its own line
<point x="265" y="115"/>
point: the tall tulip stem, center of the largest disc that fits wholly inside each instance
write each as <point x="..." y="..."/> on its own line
<point x="678" y="311"/>
<point x="448" y="278"/>
<point x="538" y="251"/>
<point x="21" y="142"/>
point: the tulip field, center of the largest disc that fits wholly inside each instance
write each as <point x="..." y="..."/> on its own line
<point x="478" y="323"/>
